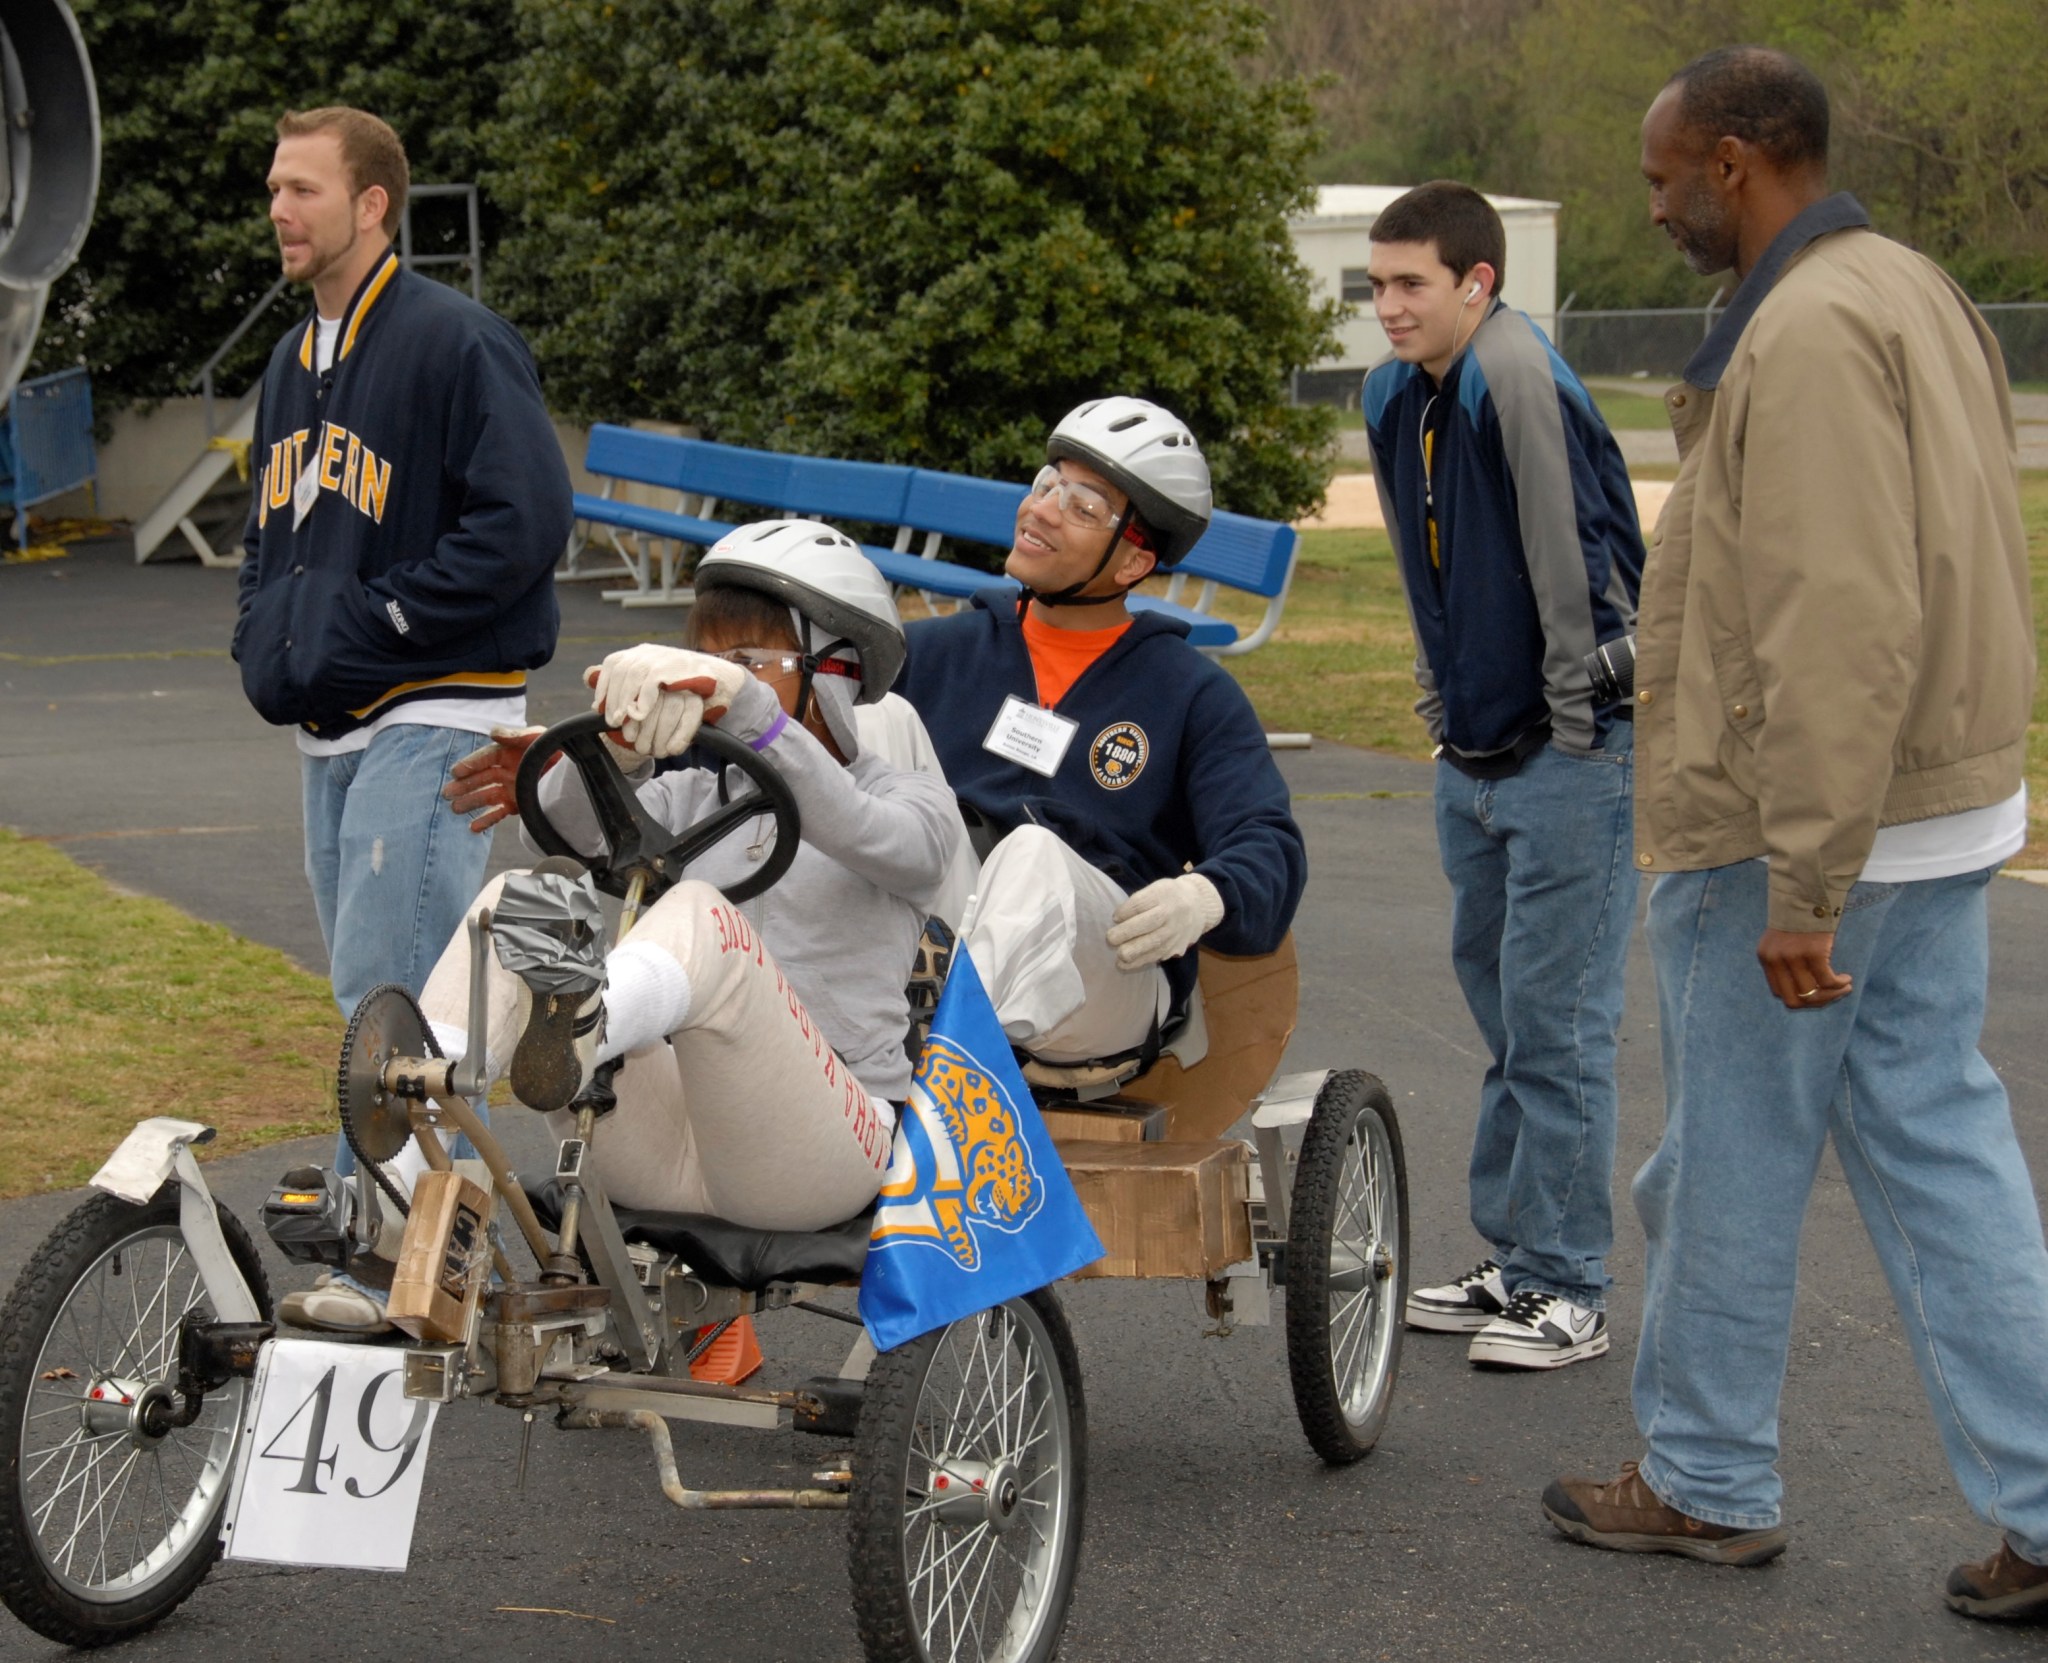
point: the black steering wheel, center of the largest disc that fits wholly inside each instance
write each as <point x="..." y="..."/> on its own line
<point x="638" y="845"/>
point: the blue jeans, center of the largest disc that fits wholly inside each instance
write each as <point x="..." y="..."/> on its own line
<point x="393" y="868"/>
<point x="1543" y="898"/>
<point x="1924" y="1133"/>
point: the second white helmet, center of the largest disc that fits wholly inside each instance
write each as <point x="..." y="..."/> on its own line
<point x="1147" y="452"/>
<point x="820" y="573"/>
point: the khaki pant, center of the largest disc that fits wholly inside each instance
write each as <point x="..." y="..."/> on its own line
<point x="744" y="1112"/>
<point x="1036" y="927"/>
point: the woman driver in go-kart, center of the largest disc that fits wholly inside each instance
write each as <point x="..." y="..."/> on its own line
<point x="762" y="1044"/>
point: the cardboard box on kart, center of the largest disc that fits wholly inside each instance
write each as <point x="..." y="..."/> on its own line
<point x="443" y="1257"/>
<point x="1164" y="1209"/>
<point x="1173" y="1201"/>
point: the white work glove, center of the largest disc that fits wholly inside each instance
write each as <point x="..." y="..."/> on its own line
<point x="1163" y="920"/>
<point x="656" y="696"/>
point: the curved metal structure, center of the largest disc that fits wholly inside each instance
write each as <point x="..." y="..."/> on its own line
<point x="50" y="146"/>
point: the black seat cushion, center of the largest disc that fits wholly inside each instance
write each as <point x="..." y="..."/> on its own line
<point x="734" y="1255"/>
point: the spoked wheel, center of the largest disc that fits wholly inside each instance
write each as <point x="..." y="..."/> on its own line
<point x="964" y="1527"/>
<point x="112" y="1517"/>
<point x="1347" y="1267"/>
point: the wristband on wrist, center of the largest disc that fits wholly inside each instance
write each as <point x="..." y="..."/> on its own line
<point x="774" y="730"/>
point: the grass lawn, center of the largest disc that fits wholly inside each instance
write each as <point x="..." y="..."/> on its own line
<point x="1632" y="412"/>
<point x="114" y="1007"/>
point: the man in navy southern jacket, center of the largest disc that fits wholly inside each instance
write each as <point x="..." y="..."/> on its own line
<point x="1126" y="774"/>
<point x="1514" y="524"/>
<point x="411" y="502"/>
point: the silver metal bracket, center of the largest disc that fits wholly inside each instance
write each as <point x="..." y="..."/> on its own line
<point x="639" y="1336"/>
<point x="433" y="1373"/>
<point x="860" y="1359"/>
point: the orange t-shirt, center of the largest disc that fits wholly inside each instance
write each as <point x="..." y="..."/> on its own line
<point x="1058" y="656"/>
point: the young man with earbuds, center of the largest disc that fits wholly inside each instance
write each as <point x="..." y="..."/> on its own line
<point x="1124" y="778"/>
<point x="1515" y="529"/>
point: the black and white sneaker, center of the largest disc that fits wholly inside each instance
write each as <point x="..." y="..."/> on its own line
<point x="1540" y="1331"/>
<point x="1460" y="1307"/>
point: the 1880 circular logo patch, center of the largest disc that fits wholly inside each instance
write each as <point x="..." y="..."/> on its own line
<point x="1118" y="755"/>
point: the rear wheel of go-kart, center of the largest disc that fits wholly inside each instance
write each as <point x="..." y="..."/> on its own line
<point x="105" y="1528"/>
<point x="964" y="1528"/>
<point x="1347" y="1267"/>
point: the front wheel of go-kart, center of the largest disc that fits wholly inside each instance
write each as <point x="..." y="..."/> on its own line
<point x="106" y="1527"/>
<point x="964" y="1528"/>
<point x="1347" y="1267"/>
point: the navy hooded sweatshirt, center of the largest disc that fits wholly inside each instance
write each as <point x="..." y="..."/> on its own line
<point x="1168" y="770"/>
<point x="424" y="567"/>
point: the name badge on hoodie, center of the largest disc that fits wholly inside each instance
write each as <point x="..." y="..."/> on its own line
<point x="305" y="493"/>
<point x="1030" y="736"/>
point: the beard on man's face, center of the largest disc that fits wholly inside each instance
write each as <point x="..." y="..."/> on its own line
<point x="1702" y="229"/>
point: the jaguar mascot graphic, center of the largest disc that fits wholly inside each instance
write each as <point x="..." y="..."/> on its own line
<point x="961" y="1164"/>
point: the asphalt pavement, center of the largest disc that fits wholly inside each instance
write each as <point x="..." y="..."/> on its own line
<point x="1212" y="1532"/>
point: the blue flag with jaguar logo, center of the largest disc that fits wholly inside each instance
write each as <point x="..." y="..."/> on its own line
<point x="976" y="1207"/>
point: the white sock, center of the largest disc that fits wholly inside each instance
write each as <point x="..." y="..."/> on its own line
<point x="405" y="1167"/>
<point x="646" y="997"/>
<point x="454" y="1042"/>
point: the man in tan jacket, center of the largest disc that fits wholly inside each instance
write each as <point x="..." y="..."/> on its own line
<point x="1835" y="671"/>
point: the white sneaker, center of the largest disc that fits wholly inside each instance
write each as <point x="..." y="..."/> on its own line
<point x="1540" y="1331"/>
<point x="1460" y="1307"/>
<point x="334" y="1306"/>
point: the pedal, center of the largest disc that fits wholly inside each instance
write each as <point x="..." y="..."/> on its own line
<point x="307" y="1216"/>
<point x="838" y="1414"/>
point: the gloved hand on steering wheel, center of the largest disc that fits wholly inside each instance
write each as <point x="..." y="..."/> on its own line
<point x="655" y="697"/>
<point x="480" y="787"/>
<point x="1163" y="920"/>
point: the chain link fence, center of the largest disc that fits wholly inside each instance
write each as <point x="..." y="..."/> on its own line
<point x="1655" y="345"/>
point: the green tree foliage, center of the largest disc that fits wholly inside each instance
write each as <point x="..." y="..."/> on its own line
<point x="1960" y="105"/>
<point x="189" y="97"/>
<point x="915" y="231"/>
<point x="1940" y="116"/>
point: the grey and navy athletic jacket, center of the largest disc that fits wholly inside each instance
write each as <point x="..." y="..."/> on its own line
<point x="1534" y="555"/>
<point x="1168" y="770"/>
<point x="425" y="565"/>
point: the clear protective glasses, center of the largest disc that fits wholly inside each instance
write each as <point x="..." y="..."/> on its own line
<point x="1081" y="504"/>
<point x="768" y="662"/>
<point x="772" y="663"/>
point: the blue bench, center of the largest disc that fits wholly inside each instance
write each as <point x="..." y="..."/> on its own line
<point x="46" y="443"/>
<point x="1253" y="556"/>
<point x="928" y="509"/>
<point x="703" y="475"/>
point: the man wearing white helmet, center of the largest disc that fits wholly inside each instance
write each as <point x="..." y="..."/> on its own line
<point x="1125" y="778"/>
<point x="762" y="1043"/>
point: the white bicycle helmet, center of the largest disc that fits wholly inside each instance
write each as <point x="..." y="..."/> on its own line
<point x="1148" y="453"/>
<point x="839" y="600"/>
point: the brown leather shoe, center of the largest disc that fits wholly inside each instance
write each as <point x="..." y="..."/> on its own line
<point x="1628" y="1517"/>
<point x="2004" y="1587"/>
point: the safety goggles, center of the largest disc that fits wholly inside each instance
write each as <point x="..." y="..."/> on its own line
<point x="1081" y="504"/>
<point x="772" y="662"/>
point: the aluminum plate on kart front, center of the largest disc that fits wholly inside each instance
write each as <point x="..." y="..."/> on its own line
<point x="387" y="1024"/>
